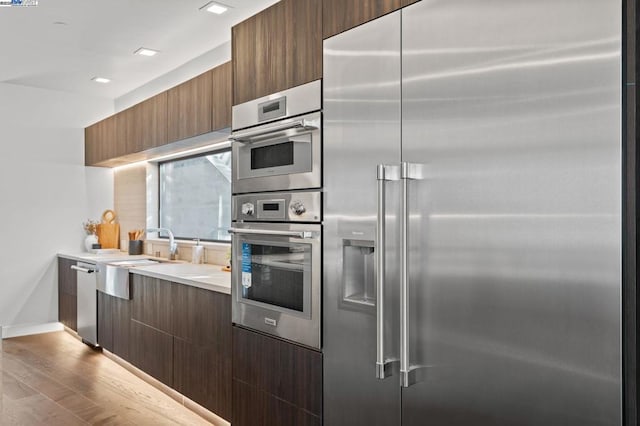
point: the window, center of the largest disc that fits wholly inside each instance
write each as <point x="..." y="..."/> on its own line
<point x="195" y="196"/>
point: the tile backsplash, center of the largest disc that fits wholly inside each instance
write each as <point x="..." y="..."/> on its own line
<point x="131" y="202"/>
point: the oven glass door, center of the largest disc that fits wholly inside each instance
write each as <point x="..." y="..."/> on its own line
<point x="276" y="279"/>
<point x="276" y="274"/>
<point x="278" y="157"/>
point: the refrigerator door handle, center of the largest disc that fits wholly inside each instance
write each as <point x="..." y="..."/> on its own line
<point x="384" y="366"/>
<point x="409" y="375"/>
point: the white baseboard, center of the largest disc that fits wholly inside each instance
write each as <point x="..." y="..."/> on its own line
<point x="9" y="331"/>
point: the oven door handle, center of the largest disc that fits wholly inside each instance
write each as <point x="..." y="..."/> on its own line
<point x="296" y="234"/>
<point x="253" y="134"/>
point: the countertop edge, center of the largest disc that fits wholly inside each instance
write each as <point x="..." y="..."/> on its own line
<point x="219" y="288"/>
<point x="181" y="280"/>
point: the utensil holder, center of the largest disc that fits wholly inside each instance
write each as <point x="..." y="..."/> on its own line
<point x="135" y="246"/>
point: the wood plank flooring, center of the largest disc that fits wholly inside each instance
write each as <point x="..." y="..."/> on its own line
<point x="53" y="379"/>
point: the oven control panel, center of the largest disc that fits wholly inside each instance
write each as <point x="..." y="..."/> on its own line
<point x="293" y="206"/>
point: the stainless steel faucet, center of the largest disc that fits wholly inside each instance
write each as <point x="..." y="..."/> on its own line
<point x="173" y="246"/>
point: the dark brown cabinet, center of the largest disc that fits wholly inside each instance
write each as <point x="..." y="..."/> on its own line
<point x="105" y="321"/>
<point x="181" y="335"/>
<point x="100" y="141"/>
<point x="189" y="108"/>
<point x="192" y="108"/>
<point x="152" y="351"/>
<point x="276" y="49"/>
<point x="67" y="293"/>
<point x="341" y="15"/>
<point x="143" y="126"/>
<point x="202" y="343"/>
<point x="136" y="129"/>
<point x="279" y="382"/>
<point x="151" y="303"/>
<point x="114" y="324"/>
<point x="222" y="80"/>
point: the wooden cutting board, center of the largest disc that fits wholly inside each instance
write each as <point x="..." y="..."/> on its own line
<point x="109" y="231"/>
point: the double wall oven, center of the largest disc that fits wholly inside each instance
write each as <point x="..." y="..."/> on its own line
<point x="277" y="214"/>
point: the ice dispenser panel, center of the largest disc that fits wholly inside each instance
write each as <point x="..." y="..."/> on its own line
<point x="358" y="263"/>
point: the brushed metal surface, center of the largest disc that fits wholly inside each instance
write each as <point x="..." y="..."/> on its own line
<point x="304" y="173"/>
<point x="311" y="200"/>
<point x="87" y="303"/>
<point x="299" y="100"/>
<point x="515" y="232"/>
<point x="361" y="130"/>
<point x="300" y="327"/>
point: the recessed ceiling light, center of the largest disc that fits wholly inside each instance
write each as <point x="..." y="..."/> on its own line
<point x="100" y="80"/>
<point x="215" y="7"/>
<point x="143" y="51"/>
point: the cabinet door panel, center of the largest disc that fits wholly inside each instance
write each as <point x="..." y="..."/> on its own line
<point x="248" y="405"/>
<point x="270" y="66"/>
<point x="282" y="369"/>
<point x="151" y="303"/>
<point x="303" y="36"/>
<point x="152" y="352"/>
<point x="150" y="121"/>
<point x="68" y="311"/>
<point x="203" y="373"/>
<point x="67" y="293"/>
<point x="243" y="51"/>
<point x="121" y="321"/>
<point x="67" y="278"/>
<point x="189" y="108"/>
<point x="105" y="321"/>
<point x="222" y="85"/>
<point x="247" y="356"/>
<point x="201" y="316"/>
<point x="341" y="15"/>
<point x="101" y="141"/>
<point x="277" y="49"/>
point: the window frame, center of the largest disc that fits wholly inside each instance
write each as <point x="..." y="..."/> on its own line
<point x="186" y="157"/>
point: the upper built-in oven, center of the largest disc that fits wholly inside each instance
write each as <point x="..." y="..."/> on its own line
<point x="277" y="141"/>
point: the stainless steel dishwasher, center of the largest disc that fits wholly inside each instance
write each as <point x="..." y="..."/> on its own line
<point x="87" y="302"/>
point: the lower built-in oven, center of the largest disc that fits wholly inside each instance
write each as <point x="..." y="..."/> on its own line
<point x="277" y="266"/>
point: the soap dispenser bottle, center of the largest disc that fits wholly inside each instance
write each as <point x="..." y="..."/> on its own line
<point x="197" y="252"/>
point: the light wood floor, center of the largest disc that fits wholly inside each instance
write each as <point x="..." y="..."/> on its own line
<point x="53" y="379"/>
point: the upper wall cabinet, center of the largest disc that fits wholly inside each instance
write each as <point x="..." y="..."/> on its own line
<point x="141" y="127"/>
<point x="279" y="48"/>
<point x="190" y="108"/>
<point x="222" y="96"/>
<point x="341" y="15"/>
<point x="100" y="141"/>
<point x="197" y="106"/>
<point x="146" y="125"/>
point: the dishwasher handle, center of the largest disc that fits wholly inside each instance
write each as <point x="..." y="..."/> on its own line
<point x="81" y="269"/>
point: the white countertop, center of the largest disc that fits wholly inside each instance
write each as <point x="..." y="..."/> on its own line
<point x="205" y="276"/>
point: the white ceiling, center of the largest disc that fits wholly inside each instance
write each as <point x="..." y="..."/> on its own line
<point x="62" y="44"/>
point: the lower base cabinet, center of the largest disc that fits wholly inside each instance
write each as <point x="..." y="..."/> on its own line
<point x="67" y="293"/>
<point x="152" y="352"/>
<point x="178" y="334"/>
<point x="114" y="324"/>
<point x="275" y="382"/>
<point x="181" y="335"/>
<point x="203" y="375"/>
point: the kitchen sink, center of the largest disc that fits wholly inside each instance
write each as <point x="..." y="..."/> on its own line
<point x="112" y="276"/>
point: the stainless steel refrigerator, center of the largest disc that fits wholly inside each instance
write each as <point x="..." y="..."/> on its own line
<point x="472" y="240"/>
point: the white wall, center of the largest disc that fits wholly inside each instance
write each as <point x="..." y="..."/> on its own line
<point x="45" y="194"/>
<point x="187" y="71"/>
